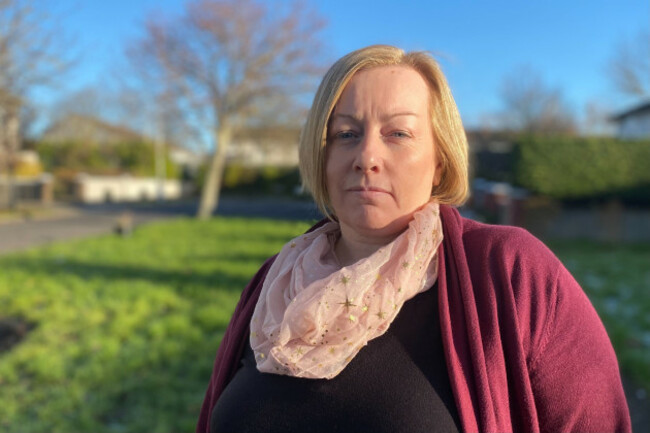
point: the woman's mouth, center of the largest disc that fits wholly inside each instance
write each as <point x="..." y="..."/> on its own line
<point x="368" y="191"/>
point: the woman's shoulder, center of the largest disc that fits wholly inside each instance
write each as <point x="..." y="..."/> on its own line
<point x="509" y="244"/>
<point x="511" y="262"/>
<point x="515" y="268"/>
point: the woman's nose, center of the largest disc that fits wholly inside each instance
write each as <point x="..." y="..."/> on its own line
<point x="368" y="157"/>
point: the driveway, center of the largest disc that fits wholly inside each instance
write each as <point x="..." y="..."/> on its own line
<point x="90" y="220"/>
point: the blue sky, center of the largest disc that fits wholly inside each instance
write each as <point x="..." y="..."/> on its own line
<point x="478" y="42"/>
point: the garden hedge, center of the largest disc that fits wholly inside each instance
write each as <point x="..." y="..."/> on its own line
<point x="133" y="157"/>
<point x="577" y="168"/>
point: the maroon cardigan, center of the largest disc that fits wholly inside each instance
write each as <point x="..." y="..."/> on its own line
<point x="525" y="349"/>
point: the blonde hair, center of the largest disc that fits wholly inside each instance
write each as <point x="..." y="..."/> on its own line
<point x="448" y="133"/>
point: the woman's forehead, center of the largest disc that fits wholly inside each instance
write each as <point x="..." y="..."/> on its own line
<point x="387" y="91"/>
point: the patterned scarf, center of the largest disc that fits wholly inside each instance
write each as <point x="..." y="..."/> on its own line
<point x="313" y="316"/>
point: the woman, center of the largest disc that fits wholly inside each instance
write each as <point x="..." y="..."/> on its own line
<point x="398" y="314"/>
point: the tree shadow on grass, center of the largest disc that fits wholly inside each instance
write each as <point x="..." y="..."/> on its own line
<point x="89" y="270"/>
<point x="150" y="384"/>
<point x="257" y="259"/>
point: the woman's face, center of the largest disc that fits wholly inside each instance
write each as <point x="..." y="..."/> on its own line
<point x="381" y="163"/>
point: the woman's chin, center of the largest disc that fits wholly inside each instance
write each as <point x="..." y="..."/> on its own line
<point x="377" y="226"/>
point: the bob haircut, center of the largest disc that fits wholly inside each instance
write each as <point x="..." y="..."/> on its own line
<point x="448" y="133"/>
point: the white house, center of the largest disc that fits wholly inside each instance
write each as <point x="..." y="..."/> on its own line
<point x="100" y="189"/>
<point x="634" y="123"/>
<point x="275" y="146"/>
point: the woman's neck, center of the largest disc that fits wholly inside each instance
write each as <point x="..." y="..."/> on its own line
<point x="350" y="247"/>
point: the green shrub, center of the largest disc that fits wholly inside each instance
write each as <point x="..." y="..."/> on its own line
<point x="260" y="180"/>
<point x="574" y="168"/>
<point x="237" y="175"/>
<point x="132" y="157"/>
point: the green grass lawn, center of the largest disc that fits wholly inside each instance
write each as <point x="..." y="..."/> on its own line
<point x="125" y="330"/>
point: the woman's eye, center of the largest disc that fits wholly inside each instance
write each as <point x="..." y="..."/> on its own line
<point x="345" y="135"/>
<point x="400" y="134"/>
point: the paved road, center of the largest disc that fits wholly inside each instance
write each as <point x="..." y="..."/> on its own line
<point x="83" y="221"/>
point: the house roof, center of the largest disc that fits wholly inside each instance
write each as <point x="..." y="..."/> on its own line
<point x="643" y="107"/>
<point x="87" y="128"/>
<point x="276" y="133"/>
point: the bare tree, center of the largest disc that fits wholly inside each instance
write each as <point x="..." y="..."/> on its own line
<point x="88" y="101"/>
<point x="30" y="56"/>
<point x="596" y="120"/>
<point x="530" y="105"/>
<point x="629" y="67"/>
<point x="224" y="60"/>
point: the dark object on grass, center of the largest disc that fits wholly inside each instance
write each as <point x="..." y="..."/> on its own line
<point x="27" y="214"/>
<point x="124" y="224"/>
<point x="12" y="331"/>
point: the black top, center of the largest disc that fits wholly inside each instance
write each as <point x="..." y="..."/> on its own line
<point x="397" y="383"/>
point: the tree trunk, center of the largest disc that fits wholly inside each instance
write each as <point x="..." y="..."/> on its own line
<point x="212" y="185"/>
<point x="4" y="160"/>
<point x="13" y="141"/>
<point x="9" y="146"/>
<point x="4" y="181"/>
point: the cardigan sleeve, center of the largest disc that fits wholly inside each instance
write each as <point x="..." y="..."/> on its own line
<point x="575" y="377"/>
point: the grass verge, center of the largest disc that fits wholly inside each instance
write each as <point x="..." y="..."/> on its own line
<point x="125" y="330"/>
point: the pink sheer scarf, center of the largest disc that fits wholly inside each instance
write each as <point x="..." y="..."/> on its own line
<point x="313" y="316"/>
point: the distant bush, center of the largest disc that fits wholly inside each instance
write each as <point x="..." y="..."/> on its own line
<point x="136" y="158"/>
<point x="28" y="169"/>
<point x="245" y="180"/>
<point x="495" y="166"/>
<point x="584" y="169"/>
<point x="236" y="175"/>
<point x="268" y="180"/>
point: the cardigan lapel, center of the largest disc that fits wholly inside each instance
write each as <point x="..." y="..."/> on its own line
<point x="461" y="331"/>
